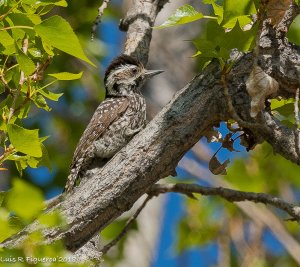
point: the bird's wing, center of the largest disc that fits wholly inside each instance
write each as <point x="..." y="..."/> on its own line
<point x="106" y="113"/>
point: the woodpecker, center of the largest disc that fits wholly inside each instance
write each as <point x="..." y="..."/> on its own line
<point x="116" y="120"/>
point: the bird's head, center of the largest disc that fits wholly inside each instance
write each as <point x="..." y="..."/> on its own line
<point x="125" y="76"/>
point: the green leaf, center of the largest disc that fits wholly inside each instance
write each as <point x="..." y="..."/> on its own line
<point x="115" y="228"/>
<point x="25" y="63"/>
<point x="48" y="48"/>
<point x="234" y="10"/>
<point x="182" y="15"/>
<point x="7" y="41"/>
<point x="35" y="52"/>
<point x="25" y="200"/>
<point x="58" y="33"/>
<point x="40" y="102"/>
<point x="294" y="31"/>
<point x="204" y="230"/>
<point x="206" y="48"/>
<point x="66" y="76"/>
<point x="21" y="19"/>
<point x="25" y="141"/>
<point x="5" y="229"/>
<point x="29" y="2"/>
<point x="53" y="2"/>
<point x="17" y="34"/>
<point x="216" y="43"/>
<point x="209" y="44"/>
<point x="15" y="223"/>
<point x="45" y="160"/>
<point x="286" y="110"/>
<point x="52" y="96"/>
<point x="20" y="161"/>
<point x="218" y="10"/>
<point x="275" y="103"/>
<point x="52" y="219"/>
<point x="36" y="19"/>
<point x="23" y="111"/>
<point x="239" y="39"/>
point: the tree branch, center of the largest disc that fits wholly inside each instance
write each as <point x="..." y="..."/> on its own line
<point x="99" y="16"/>
<point x="228" y="194"/>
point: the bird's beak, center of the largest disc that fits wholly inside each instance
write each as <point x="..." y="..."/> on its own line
<point x="151" y="73"/>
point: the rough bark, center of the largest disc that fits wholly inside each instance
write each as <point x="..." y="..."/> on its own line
<point x="153" y="154"/>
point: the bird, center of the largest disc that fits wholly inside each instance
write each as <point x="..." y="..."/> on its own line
<point x="116" y="120"/>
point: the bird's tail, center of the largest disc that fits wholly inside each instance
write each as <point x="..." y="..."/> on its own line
<point x="72" y="178"/>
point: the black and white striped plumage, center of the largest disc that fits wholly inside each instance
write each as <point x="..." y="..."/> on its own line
<point x="116" y="120"/>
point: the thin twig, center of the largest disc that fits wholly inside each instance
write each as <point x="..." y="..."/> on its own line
<point x="16" y="27"/>
<point x="228" y="194"/>
<point x="107" y="247"/>
<point x="5" y="83"/>
<point x="296" y="130"/>
<point x="6" y="153"/>
<point x="98" y="18"/>
<point x="40" y="69"/>
<point x="25" y="49"/>
<point x="10" y="10"/>
<point x="21" y="82"/>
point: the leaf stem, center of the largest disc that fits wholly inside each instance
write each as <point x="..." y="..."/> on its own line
<point x="210" y="17"/>
<point x="6" y="154"/>
<point x="16" y="27"/>
<point x="5" y="61"/>
<point x="12" y="67"/>
<point x="45" y="86"/>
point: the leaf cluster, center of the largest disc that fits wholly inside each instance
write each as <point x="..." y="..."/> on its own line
<point x="229" y="27"/>
<point x="29" y="40"/>
<point x="14" y="217"/>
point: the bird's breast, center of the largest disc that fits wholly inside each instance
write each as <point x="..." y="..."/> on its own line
<point x="121" y="131"/>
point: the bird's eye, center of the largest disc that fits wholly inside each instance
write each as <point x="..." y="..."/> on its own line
<point x="134" y="71"/>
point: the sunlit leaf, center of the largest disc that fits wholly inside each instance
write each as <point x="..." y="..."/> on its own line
<point x="40" y="102"/>
<point x="24" y="140"/>
<point x="45" y="159"/>
<point x="294" y="32"/>
<point x="57" y="32"/>
<point x="66" y="76"/>
<point x="51" y="219"/>
<point x="5" y="229"/>
<point x="8" y="42"/>
<point x="234" y="11"/>
<point x="25" y="63"/>
<point x="50" y="95"/>
<point x="24" y="200"/>
<point x="182" y="15"/>
<point x="62" y="3"/>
